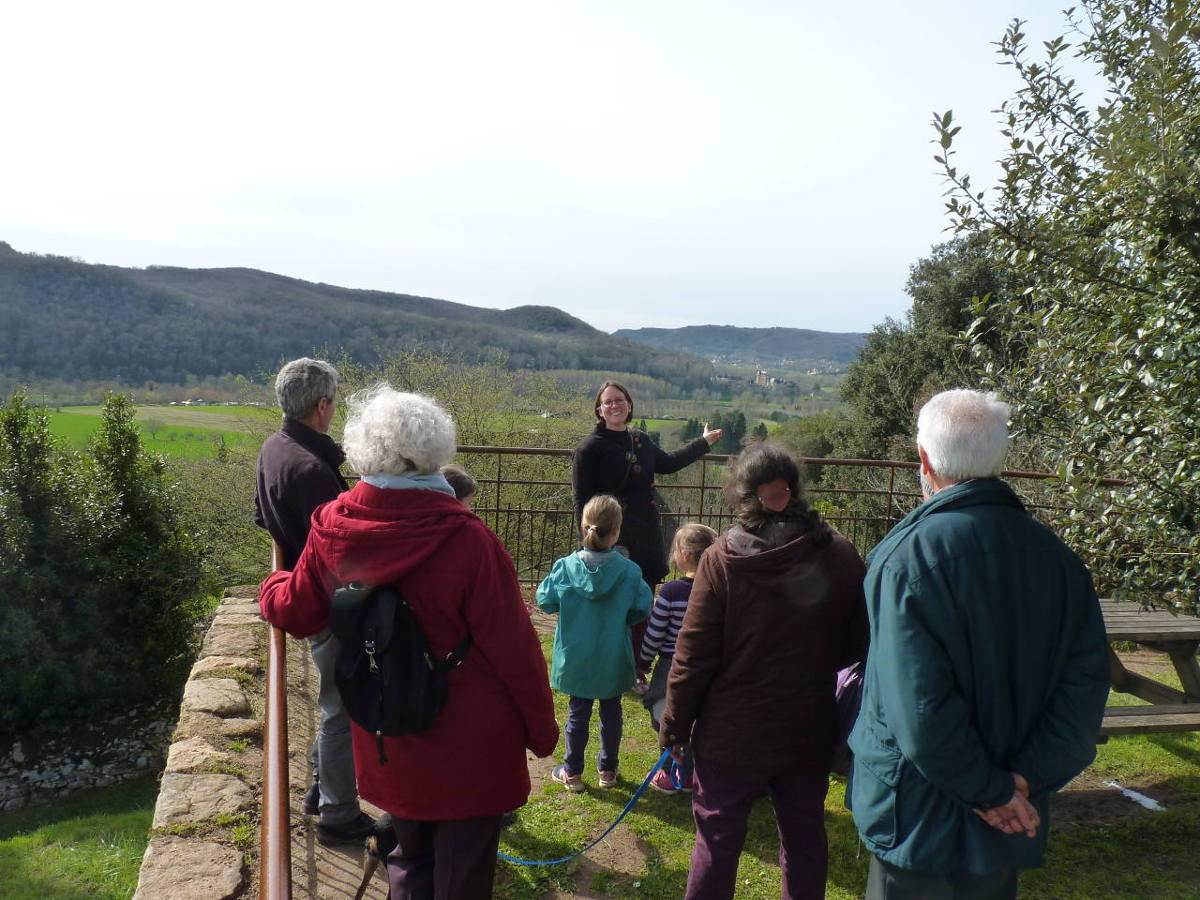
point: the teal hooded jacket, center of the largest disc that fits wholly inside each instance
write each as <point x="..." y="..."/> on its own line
<point x="988" y="656"/>
<point x="597" y="597"/>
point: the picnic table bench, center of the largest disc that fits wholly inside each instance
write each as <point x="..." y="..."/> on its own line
<point x="1176" y="635"/>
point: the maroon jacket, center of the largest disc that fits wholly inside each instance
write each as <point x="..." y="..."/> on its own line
<point x="458" y="579"/>
<point x="765" y="633"/>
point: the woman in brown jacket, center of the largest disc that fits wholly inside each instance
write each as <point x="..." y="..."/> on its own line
<point x="776" y="610"/>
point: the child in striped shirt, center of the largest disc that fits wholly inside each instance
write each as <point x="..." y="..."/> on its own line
<point x="691" y="540"/>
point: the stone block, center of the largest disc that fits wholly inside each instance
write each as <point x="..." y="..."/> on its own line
<point x="237" y="618"/>
<point x="219" y="696"/>
<point x="200" y="724"/>
<point x="181" y="869"/>
<point x="193" y="753"/>
<point x="232" y="640"/>
<point x="199" y="798"/>
<point x="209" y="663"/>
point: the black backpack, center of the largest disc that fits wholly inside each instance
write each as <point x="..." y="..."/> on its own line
<point x="389" y="681"/>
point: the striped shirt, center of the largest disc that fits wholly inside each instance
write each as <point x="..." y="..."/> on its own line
<point x="665" y="619"/>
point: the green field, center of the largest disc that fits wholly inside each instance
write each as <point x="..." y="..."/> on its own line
<point x="88" y="846"/>
<point x="182" y="431"/>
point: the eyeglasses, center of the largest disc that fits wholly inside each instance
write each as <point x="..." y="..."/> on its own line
<point x="612" y="402"/>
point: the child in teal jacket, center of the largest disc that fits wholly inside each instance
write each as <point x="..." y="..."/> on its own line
<point x="598" y="593"/>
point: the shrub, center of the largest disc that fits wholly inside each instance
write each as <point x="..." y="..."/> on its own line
<point x="101" y="581"/>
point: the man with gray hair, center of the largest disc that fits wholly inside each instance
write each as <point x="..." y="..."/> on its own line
<point x="986" y="678"/>
<point x="298" y="471"/>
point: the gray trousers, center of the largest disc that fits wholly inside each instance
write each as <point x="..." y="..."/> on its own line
<point x="332" y="752"/>
<point x="888" y="882"/>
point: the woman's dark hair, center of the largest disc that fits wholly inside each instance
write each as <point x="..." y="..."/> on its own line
<point x="620" y="387"/>
<point x="761" y="463"/>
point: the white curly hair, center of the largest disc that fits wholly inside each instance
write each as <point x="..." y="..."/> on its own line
<point x="389" y="431"/>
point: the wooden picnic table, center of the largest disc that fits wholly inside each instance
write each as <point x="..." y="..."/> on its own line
<point x="1176" y="635"/>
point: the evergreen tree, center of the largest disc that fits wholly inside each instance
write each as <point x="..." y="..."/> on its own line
<point x="99" y="578"/>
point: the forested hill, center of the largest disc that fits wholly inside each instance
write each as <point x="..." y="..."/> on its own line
<point x="64" y="319"/>
<point x="753" y="346"/>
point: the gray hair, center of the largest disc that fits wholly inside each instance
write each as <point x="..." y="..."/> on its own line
<point x="390" y="432"/>
<point x="964" y="433"/>
<point x="302" y="383"/>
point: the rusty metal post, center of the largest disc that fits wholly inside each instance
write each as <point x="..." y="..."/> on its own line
<point x="275" y="846"/>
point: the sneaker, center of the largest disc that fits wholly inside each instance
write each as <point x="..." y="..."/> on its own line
<point x="688" y="787"/>
<point x="312" y="800"/>
<point x="662" y="782"/>
<point x="354" y="831"/>
<point x="608" y="778"/>
<point x="572" y="783"/>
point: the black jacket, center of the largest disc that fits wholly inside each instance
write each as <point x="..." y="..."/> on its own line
<point x="624" y="463"/>
<point x="297" y="472"/>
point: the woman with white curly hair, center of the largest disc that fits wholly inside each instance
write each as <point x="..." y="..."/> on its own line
<point x="448" y="787"/>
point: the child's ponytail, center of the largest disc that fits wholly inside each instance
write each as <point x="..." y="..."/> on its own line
<point x="600" y="524"/>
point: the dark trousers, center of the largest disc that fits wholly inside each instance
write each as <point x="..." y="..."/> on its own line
<point x="453" y="859"/>
<point x="578" y="719"/>
<point x="636" y="633"/>
<point x="888" y="882"/>
<point x="721" y="806"/>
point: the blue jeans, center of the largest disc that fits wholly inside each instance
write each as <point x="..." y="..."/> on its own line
<point x="577" y="734"/>
<point x="332" y="752"/>
<point x="655" y="701"/>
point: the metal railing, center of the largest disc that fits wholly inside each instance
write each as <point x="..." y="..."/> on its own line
<point x="275" y="845"/>
<point x="524" y="496"/>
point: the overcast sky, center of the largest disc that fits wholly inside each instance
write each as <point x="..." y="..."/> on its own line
<point x="632" y="162"/>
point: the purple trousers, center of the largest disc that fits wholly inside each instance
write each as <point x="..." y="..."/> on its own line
<point x="453" y="859"/>
<point x="721" y="806"/>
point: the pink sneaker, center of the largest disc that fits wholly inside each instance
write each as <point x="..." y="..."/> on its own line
<point x="662" y="782"/>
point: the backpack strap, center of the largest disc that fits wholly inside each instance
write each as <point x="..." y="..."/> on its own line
<point x="454" y="658"/>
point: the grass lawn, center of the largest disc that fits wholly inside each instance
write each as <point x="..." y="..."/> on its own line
<point x="89" y="846"/>
<point x="1102" y="845"/>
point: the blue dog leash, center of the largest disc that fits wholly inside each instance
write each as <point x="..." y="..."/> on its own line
<point x="662" y="760"/>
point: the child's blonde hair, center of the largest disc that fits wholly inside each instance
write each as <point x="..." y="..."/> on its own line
<point x="601" y="522"/>
<point x="691" y="540"/>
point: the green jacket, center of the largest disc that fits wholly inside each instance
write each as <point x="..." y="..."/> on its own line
<point x="597" y="597"/>
<point x="988" y="656"/>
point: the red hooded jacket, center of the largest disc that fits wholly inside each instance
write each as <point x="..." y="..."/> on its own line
<point x="458" y="578"/>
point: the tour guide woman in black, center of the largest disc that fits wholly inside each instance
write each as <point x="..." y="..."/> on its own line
<point x="622" y="461"/>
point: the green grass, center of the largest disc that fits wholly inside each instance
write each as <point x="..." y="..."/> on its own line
<point x="89" y="846"/>
<point x="189" y="432"/>
<point x="1120" y="852"/>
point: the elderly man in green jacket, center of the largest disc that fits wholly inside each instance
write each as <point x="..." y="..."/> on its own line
<point x="987" y="674"/>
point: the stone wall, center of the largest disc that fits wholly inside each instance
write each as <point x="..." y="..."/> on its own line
<point x="205" y="820"/>
<point x="93" y="754"/>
